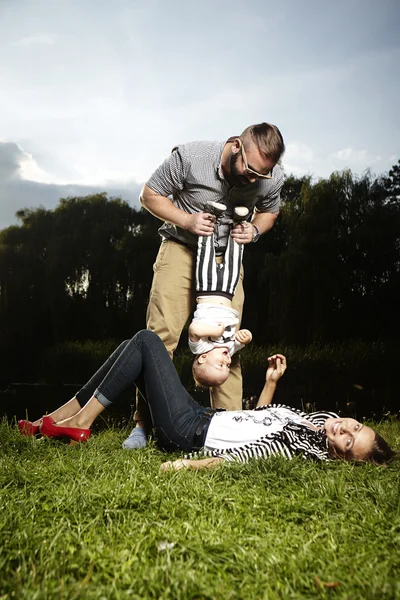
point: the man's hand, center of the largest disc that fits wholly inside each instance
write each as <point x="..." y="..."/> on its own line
<point x="243" y="233"/>
<point x="243" y="336"/>
<point x="161" y="207"/>
<point x="276" y="368"/>
<point x="200" y="223"/>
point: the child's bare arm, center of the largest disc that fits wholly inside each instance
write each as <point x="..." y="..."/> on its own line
<point x="244" y="336"/>
<point x="198" y="330"/>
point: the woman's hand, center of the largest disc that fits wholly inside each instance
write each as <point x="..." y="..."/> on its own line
<point x="184" y="463"/>
<point x="175" y="465"/>
<point x="276" y="368"/>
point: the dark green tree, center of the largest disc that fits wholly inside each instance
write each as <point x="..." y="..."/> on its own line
<point x="392" y="184"/>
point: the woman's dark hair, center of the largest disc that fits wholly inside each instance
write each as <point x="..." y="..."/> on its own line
<point x="381" y="453"/>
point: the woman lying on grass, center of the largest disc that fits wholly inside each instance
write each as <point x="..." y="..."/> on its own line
<point x="180" y="423"/>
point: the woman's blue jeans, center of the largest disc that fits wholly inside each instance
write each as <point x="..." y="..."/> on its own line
<point x="178" y="420"/>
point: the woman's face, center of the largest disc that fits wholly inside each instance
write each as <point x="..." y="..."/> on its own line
<point x="349" y="438"/>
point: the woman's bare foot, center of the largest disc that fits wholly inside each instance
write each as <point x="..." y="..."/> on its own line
<point x="66" y="411"/>
<point x="81" y="418"/>
<point x="73" y="421"/>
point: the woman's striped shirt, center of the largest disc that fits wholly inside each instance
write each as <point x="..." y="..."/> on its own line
<point x="279" y="430"/>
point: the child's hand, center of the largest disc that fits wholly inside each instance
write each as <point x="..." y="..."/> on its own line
<point x="243" y="336"/>
<point x="276" y="368"/>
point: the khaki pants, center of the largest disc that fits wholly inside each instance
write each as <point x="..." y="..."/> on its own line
<point x="172" y="301"/>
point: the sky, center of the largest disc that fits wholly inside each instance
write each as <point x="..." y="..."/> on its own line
<point x="94" y="94"/>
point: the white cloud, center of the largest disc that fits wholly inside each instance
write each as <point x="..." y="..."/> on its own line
<point x="300" y="159"/>
<point x="102" y="110"/>
<point x="16" y="164"/>
<point x="299" y="151"/>
<point x="97" y="175"/>
<point x="31" y="171"/>
<point x="355" y="157"/>
<point x="47" y="39"/>
<point x="24" y="183"/>
<point x="342" y="154"/>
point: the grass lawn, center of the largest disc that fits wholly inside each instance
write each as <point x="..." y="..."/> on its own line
<point x="95" y="521"/>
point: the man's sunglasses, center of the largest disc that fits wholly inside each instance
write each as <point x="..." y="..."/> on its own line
<point x="249" y="169"/>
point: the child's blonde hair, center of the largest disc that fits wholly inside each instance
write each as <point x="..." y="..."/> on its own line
<point x="201" y="376"/>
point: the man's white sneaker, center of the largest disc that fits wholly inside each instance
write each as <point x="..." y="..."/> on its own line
<point x="240" y="214"/>
<point x="215" y="208"/>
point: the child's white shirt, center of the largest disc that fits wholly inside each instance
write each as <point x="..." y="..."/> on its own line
<point x="214" y="314"/>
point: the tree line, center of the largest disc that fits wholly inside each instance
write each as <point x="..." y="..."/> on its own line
<point x="328" y="271"/>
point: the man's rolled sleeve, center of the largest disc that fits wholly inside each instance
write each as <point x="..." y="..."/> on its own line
<point x="170" y="177"/>
<point x="271" y="203"/>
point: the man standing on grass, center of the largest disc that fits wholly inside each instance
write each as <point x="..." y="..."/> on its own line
<point x="242" y="171"/>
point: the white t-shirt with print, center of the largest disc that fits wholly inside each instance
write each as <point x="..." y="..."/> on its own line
<point x="233" y="428"/>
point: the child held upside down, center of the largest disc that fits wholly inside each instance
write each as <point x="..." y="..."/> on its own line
<point x="213" y="338"/>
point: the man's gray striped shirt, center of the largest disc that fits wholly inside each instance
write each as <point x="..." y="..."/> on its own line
<point x="192" y="175"/>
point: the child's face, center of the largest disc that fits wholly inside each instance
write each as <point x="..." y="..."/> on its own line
<point x="217" y="363"/>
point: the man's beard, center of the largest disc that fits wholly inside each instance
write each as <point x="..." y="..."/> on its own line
<point x="235" y="177"/>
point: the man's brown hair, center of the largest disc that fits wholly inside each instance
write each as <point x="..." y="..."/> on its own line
<point x="267" y="138"/>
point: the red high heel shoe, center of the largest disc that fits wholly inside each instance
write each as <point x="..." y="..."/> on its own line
<point x="49" y="429"/>
<point x="28" y="428"/>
